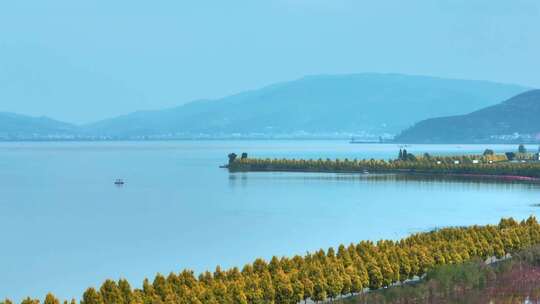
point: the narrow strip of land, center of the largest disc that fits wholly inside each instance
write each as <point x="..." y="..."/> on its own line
<point x="482" y="166"/>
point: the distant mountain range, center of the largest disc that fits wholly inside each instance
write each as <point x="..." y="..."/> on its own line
<point x="516" y="119"/>
<point x="15" y="126"/>
<point x="315" y="106"/>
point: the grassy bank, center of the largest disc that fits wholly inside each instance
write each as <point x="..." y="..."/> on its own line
<point x="515" y="280"/>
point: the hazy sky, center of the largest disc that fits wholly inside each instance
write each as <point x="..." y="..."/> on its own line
<point x="85" y="60"/>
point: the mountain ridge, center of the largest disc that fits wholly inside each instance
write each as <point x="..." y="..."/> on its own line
<point x="315" y="104"/>
<point x="364" y="104"/>
<point x="13" y="125"/>
<point x="513" y="119"/>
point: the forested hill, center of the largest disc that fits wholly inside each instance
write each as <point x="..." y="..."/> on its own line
<point x="15" y="126"/>
<point x="372" y="103"/>
<point x="516" y="119"/>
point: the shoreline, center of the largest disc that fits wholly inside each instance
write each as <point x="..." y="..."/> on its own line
<point x="511" y="178"/>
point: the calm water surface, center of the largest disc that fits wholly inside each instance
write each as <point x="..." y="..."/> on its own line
<point x="64" y="226"/>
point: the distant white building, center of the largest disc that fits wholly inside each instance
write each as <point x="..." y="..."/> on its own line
<point x="456" y="162"/>
<point x="475" y="161"/>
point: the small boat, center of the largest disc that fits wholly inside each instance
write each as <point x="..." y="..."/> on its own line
<point x="119" y="181"/>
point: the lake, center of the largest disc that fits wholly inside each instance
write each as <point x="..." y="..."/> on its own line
<point x="64" y="225"/>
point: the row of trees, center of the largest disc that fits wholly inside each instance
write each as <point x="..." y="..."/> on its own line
<point x="481" y="165"/>
<point x="324" y="274"/>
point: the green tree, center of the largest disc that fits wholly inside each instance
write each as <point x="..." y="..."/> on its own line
<point x="237" y="294"/>
<point x="308" y="288"/>
<point x="488" y="152"/>
<point x="362" y="272"/>
<point x="357" y="285"/>
<point x="125" y="291"/>
<point x="51" y="299"/>
<point x="334" y="283"/>
<point x="260" y="266"/>
<point x="29" y="300"/>
<point x="298" y="290"/>
<point x="232" y="157"/>
<point x="507" y="223"/>
<point x="319" y="290"/>
<point x="510" y="155"/>
<point x="375" y="276"/>
<point x="137" y="297"/>
<point x="220" y="292"/>
<point x="110" y="293"/>
<point x="284" y="288"/>
<point x="267" y="287"/>
<point x="91" y="296"/>
<point x="344" y="255"/>
<point x="347" y="282"/>
<point x="254" y="293"/>
<point x="387" y="272"/>
<point x="405" y="267"/>
<point x="274" y="266"/>
<point x="207" y="296"/>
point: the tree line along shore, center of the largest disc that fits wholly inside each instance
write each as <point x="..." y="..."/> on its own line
<point x="322" y="275"/>
<point x="514" y="165"/>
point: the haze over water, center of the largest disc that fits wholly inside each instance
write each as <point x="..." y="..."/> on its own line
<point x="64" y="226"/>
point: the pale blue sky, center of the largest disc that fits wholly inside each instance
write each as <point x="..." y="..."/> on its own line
<point x="85" y="60"/>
